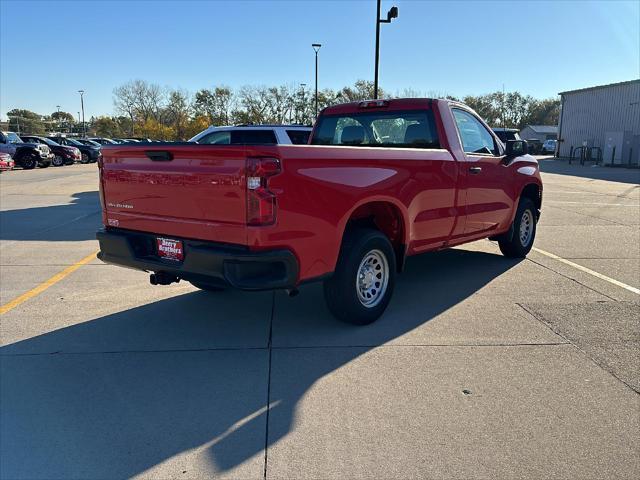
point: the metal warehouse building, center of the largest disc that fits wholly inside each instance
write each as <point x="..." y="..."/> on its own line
<point x="607" y="116"/>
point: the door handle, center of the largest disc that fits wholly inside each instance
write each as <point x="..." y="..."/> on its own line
<point x="475" y="170"/>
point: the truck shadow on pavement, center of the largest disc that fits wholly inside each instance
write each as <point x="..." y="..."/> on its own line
<point x="74" y="221"/>
<point x="116" y="396"/>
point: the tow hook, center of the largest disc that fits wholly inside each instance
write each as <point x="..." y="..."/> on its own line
<point x="162" y="278"/>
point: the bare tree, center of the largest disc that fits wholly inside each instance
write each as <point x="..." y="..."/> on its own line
<point x="125" y="103"/>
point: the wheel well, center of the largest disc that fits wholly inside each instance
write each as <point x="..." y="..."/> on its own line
<point x="386" y="218"/>
<point x="533" y="192"/>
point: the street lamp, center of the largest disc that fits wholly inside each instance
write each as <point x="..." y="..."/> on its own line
<point x="84" y="130"/>
<point x="58" y="107"/>
<point x="316" y="47"/>
<point x="391" y="14"/>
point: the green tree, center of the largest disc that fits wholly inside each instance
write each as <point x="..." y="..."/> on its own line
<point x="26" y="121"/>
<point x="106" y="127"/>
<point x="62" y="117"/>
<point x="177" y="113"/>
<point x="216" y="104"/>
<point x="361" y="90"/>
<point x="543" y="112"/>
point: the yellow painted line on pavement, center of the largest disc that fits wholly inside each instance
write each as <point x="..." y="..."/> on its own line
<point x="589" y="271"/>
<point x="46" y="284"/>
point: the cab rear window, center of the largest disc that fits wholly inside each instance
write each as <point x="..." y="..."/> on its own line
<point x="399" y="129"/>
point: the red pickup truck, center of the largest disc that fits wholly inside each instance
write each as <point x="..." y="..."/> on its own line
<point x="380" y="180"/>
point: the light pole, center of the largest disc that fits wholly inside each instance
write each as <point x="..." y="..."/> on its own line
<point x="58" y="107"/>
<point x="84" y="130"/>
<point x="391" y="14"/>
<point x="316" y="47"/>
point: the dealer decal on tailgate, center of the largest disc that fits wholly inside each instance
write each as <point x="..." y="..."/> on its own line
<point x="170" y="249"/>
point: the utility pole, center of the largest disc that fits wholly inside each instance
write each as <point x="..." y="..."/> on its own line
<point x="303" y="105"/>
<point x="504" y="125"/>
<point x="84" y="130"/>
<point x="391" y="14"/>
<point x="316" y="47"/>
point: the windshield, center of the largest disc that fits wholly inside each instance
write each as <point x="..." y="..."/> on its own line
<point x="73" y="142"/>
<point x="50" y="142"/>
<point x="92" y="143"/>
<point x="400" y="129"/>
<point x="13" y="138"/>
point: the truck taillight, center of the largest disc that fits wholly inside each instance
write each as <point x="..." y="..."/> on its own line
<point x="261" y="202"/>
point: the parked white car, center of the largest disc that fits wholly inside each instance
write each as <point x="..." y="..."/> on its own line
<point x="549" y="146"/>
<point x="254" y="135"/>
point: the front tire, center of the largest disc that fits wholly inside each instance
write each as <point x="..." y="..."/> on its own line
<point x="524" y="231"/>
<point x="28" y="162"/>
<point x="58" y="161"/>
<point x="85" y="158"/>
<point x="360" y="289"/>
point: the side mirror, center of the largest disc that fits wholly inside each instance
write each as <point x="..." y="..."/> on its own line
<point x="515" y="148"/>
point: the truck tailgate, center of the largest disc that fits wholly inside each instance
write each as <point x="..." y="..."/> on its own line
<point x="184" y="190"/>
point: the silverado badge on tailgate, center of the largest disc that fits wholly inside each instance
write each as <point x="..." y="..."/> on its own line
<point x="170" y="249"/>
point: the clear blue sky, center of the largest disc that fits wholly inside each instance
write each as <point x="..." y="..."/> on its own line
<point x="49" y="50"/>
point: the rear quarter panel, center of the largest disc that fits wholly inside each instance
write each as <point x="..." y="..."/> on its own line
<point x="321" y="186"/>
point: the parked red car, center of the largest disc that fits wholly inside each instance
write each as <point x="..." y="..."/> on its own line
<point x="380" y="181"/>
<point x="6" y="162"/>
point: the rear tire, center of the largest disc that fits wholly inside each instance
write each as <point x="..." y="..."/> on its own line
<point x="360" y="289"/>
<point x="524" y="231"/>
<point x="206" y="287"/>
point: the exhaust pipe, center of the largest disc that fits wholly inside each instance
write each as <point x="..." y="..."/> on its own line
<point x="162" y="278"/>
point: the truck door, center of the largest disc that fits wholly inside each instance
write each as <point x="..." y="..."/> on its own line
<point x="487" y="201"/>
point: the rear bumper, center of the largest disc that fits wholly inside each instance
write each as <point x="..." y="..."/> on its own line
<point x="204" y="262"/>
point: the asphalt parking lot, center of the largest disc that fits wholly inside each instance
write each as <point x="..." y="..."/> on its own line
<point x="482" y="367"/>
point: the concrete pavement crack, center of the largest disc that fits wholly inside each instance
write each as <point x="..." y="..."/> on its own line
<point x="578" y="348"/>
<point x="269" y="346"/>
<point x="572" y="279"/>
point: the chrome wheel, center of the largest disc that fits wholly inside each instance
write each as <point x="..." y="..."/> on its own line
<point x="372" y="279"/>
<point x="526" y="228"/>
<point x="58" y="161"/>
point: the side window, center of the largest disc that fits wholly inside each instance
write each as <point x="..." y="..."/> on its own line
<point x="216" y="138"/>
<point x="253" y="137"/>
<point x="474" y="136"/>
<point x="298" y="137"/>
